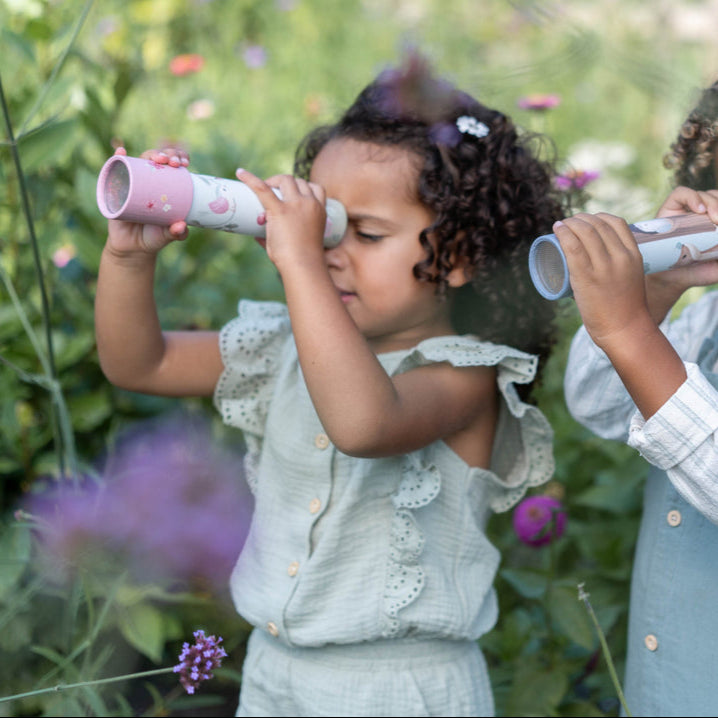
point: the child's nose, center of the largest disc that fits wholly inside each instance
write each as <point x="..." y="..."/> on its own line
<point x="336" y="256"/>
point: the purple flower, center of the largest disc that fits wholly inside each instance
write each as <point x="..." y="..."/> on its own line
<point x="538" y="102"/>
<point x="254" y="56"/>
<point x="197" y="662"/>
<point x="170" y="505"/>
<point x="413" y="91"/>
<point x="575" y="179"/>
<point x="538" y="520"/>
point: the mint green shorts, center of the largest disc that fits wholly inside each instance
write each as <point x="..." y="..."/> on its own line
<point x="399" y="677"/>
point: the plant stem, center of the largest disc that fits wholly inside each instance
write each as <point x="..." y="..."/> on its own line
<point x="84" y="684"/>
<point x="38" y="270"/>
<point x="583" y="596"/>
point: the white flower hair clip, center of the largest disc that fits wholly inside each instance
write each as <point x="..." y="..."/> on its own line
<point x="471" y="126"/>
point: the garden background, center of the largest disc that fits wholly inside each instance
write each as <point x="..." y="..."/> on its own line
<point x="114" y="581"/>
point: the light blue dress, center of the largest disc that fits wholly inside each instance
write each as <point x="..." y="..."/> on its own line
<point x="672" y="652"/>
<point x="368" y="580"/>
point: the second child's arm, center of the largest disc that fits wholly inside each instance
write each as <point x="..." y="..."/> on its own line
<point x="620" y="308"/>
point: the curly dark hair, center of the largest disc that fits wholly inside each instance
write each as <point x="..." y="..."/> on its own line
<point x="692" y="154"/>
<point x="491" y="195"/>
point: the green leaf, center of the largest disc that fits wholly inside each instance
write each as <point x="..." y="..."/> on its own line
<point x="15" y="542"/>
<point x="88" y="411"/>
<point x="142" y="627"/>
<point x="530" y="584"/>
<point x="570" y="617"/>
<point x="48" y="145"/>
<point x="537" y="690"/>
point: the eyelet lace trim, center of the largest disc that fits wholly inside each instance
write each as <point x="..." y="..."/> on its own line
<point x="250" y="346"/>
<point x="524" y="449"/>
<point x="419" y="486"/>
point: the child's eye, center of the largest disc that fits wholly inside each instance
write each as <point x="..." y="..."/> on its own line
<point x="369" y="237"/>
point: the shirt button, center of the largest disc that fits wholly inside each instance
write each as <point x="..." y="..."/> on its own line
<point x="293" y="568"/>
<point x="674" y="518"/>
<point x="272" y="628"/>
<point x="314" y="506"/>
<point x="651" y="642"/>
<point x="321" y="441"/>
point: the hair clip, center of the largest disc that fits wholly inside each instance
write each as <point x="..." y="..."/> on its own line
<point x="471" y="126"/>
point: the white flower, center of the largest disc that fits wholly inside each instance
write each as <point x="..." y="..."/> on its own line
<point x="471" y="126"/>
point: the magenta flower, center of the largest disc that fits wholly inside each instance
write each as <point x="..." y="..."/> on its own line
<point x="538" y="102"/>
<point x="538" y="520"/>
<point x="575" y="179"/>
<point x="198" y="661"/>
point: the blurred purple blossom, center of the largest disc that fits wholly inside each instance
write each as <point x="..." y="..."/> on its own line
<point x="412" y="90"/>
<point x="445" y="133"/>
<point x="538" y="101"/>
<point x="575" y="179"/>
<point x="197" y="662"/>
<point x="254" y="56"/>
<point x="171" y="504"/>
<point x="538" y="520"/>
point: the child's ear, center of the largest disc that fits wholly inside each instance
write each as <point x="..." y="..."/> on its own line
<point x="460" y="274"/>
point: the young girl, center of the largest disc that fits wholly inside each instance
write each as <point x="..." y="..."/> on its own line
<point x="379" y="405"/>
<point x="635" y="375"/>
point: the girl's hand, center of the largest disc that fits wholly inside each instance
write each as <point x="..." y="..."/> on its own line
<point x="606" y="271"/>
<point x="295" y="223"/>
<point x="673" y="282"/>
<point x="126" y="238"/>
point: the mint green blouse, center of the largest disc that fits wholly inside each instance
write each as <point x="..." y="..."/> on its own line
<point x="344" y="549"/>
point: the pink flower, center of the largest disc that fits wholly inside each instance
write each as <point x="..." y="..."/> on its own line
<point x="186" y="64"/>
<point x="538" y="520"/>
<point x="200" y="109"/>
<point x="62" y="257"/>
<point x="538" y="101"/>
<point x="576" y="179"/>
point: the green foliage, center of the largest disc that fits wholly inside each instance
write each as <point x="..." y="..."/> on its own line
<point x="81" y="77"/>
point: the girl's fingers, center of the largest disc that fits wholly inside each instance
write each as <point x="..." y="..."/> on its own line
<point x="262" y="189"/>
<point x="178" y="230"/>
<point x="680" y="201"/>
<point x="620" y="232"/>
<point x="710" y="201"/>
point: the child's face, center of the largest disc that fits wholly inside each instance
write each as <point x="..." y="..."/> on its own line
<point x="372" y="265"/>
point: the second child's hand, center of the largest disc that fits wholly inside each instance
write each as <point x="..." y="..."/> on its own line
<point x="665" y="288"/>
<point x="609" y="287"/>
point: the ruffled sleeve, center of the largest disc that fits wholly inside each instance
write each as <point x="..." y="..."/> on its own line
<point x="522" y="455"/>
<point x="251" y="346"/>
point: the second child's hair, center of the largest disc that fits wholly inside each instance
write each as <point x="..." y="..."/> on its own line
<point x="488" y="189"/>
<point x="692" y="154"/>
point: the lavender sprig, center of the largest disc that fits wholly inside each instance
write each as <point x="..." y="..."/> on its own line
<point x="195" y="666"/>
<point x="198" y="661"/>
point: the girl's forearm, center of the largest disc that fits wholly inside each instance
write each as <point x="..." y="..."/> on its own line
<point x="129" y="338"/>
<point x="338" y="365"/>
<point x="648" y="365"/>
